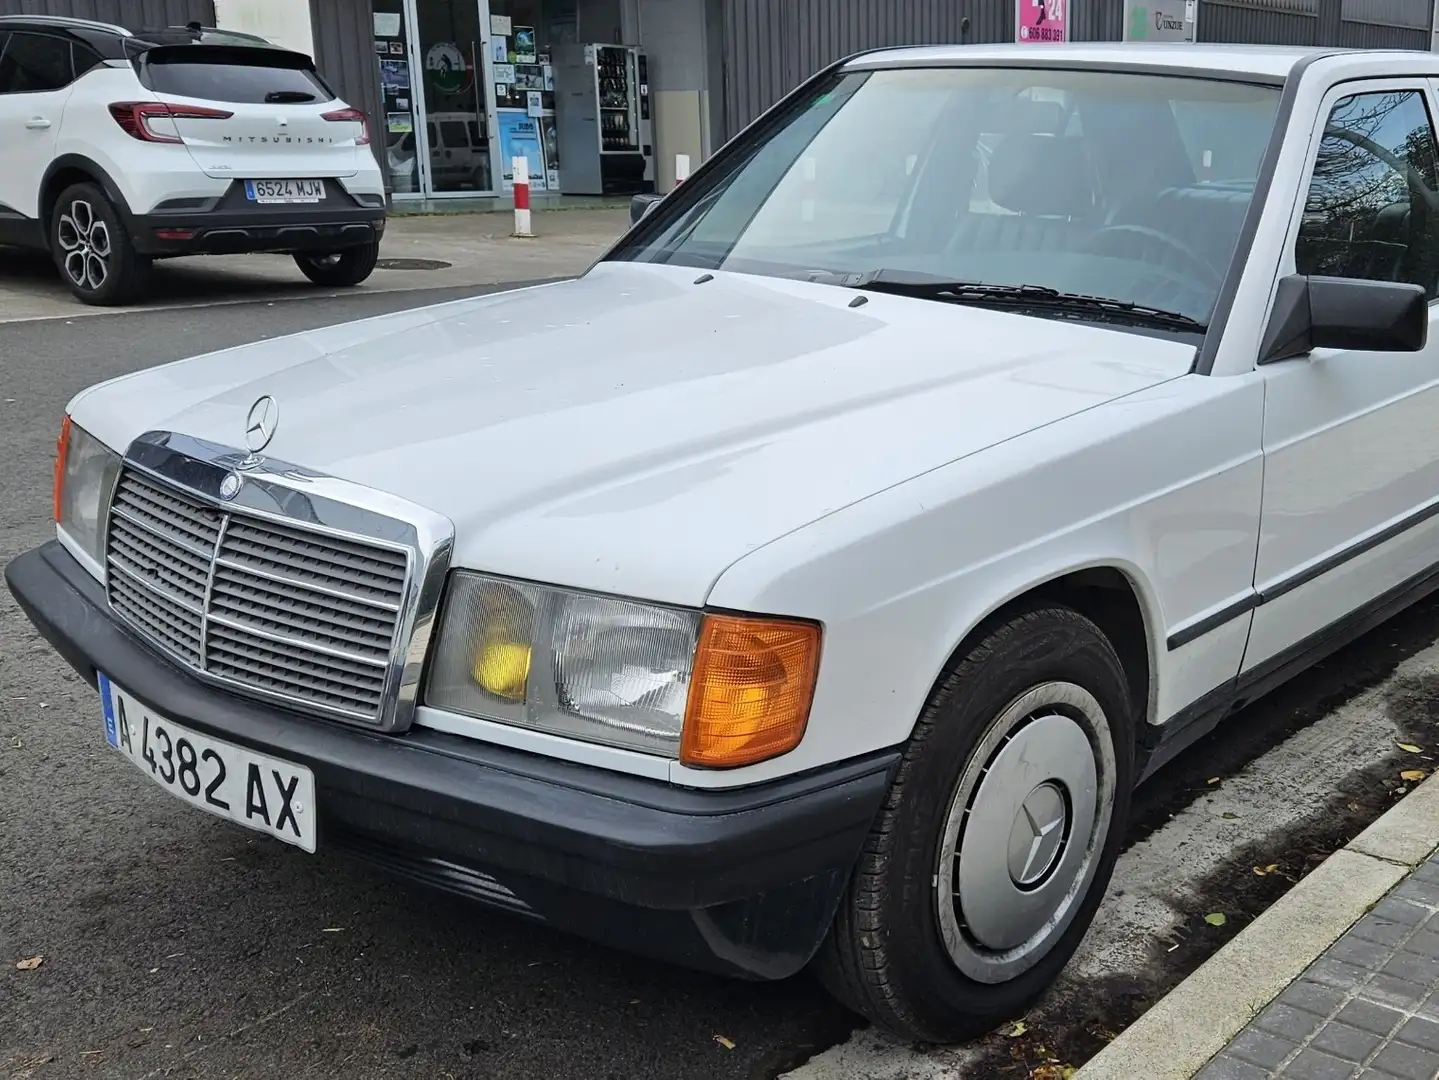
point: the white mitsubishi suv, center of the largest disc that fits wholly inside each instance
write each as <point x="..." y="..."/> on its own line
<point x="122" y="148"/>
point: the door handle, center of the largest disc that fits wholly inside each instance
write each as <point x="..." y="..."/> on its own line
<point x="37" y="123"/>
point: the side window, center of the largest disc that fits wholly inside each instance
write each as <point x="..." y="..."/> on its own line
<point x="84" y="58"/>
<point x="1371" y="208"/>
<point x="34" y="62"/>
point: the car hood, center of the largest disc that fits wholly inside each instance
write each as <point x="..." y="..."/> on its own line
<point x="636" y="431"/>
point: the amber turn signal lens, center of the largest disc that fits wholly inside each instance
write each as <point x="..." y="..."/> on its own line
<point x="751" y="690"/>
<point x="62" y="450"/>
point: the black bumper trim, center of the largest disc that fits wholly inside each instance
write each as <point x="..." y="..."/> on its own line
<point x="223" y="230"/>
<point x="560" y="836"/>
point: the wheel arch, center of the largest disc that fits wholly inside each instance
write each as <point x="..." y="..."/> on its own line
<point x="70" y="169"/>
<point x="1112" y="594"/>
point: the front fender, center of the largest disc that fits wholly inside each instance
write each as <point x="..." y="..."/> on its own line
<point x="1163" y="486"/>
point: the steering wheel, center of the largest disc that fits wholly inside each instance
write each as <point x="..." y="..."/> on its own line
<point x="1111" y="240"/>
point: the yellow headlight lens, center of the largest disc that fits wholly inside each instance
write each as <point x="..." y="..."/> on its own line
<point x="502" y="668"/>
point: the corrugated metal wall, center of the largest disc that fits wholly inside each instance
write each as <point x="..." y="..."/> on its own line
<point x="344" y="32"/>
<point x="771" y="46"/>
<point x="1290" y="22"/>
<point x="1365" y="24"/>
<point x="131" y="14"/>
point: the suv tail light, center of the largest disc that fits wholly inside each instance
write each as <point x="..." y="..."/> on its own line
<point x="135" y="117"/>
<point x="355" y="116"/>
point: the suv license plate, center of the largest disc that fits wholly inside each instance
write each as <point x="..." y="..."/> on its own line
<point x="255" y="790"/>
<point x="285" y="191"/>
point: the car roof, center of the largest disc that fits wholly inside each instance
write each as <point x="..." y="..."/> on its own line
<point x="1263" y="61"/>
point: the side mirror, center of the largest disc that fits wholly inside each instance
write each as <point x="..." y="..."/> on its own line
<point x="640" y="205"/>
<point x="1344" y="313"/>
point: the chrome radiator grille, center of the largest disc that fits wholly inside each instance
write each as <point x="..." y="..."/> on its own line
<point x="292" y="613"/>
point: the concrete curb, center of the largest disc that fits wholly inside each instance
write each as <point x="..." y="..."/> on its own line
<point x="1198" y="1018"/>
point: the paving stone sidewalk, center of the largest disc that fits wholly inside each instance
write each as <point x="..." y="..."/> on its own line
<point x="1368" y="1008"/>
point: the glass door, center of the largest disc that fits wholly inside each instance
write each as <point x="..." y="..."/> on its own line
<point x="453" y="95"/>
<point x="401" y="115"/>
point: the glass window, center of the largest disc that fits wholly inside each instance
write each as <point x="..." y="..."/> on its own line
<point x="232" y="74"/>
<point x="84" y="58"/>
<point x="34" y="62"/>
<point x="1126" y="186"/>
<point x="1372" y="210"/>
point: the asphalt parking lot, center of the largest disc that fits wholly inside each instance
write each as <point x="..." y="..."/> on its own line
<point x="176" y="945"/>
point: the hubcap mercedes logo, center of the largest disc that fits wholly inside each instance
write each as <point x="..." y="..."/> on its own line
<point x="1037" y="835"/>
<point x="260" y="425"/>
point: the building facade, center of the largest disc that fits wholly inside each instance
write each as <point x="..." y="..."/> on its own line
<point x="600" y="96"/>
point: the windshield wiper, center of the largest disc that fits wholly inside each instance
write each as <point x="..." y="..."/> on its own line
<point x="1034" y="297"/>
<point x="287" y="97"/>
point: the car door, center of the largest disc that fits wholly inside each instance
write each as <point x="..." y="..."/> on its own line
<point x="36" y="76"/>
<point x="1351" y="438"/>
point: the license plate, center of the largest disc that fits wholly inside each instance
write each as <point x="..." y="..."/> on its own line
<point x="255" y="790"/>
<point x="284" y="191"/>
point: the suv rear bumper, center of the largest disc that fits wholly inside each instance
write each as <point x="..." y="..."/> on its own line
<point x="231" y="224"/>
<point x="245" y="231"/>
<point x="738" y="882"/>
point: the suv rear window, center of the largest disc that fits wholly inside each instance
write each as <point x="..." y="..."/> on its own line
<point x="234" y="74"/>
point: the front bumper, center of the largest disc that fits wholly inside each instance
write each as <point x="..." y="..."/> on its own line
<point x="738" y="882"/>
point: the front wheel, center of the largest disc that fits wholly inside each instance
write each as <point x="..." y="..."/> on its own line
<point x="340" y="268"/>
<point x="990" y="856"/>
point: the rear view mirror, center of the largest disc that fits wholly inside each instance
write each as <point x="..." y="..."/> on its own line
<point x="640" y="205"/>
<point x="1344" y="313"/>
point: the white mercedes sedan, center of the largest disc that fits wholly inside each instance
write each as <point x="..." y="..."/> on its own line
<point x="810" y="581"/>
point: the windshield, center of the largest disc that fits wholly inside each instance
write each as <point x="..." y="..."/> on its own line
<point x="1130" y="187"/>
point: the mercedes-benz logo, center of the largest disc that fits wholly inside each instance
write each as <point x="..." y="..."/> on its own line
<point x="260" y="425"/>
<point x="230" y="486"/>
<point x="1037" y="835"/>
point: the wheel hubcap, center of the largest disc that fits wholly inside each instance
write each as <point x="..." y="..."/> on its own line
<point x="84" y="241"/>
<point x="1038" y="835"/>
<point x="1024" y="831"/>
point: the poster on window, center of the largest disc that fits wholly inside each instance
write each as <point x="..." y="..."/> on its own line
<point x="524" y="44"/>
<point x="520" y="137"/>
<point x="1041" y="22"/>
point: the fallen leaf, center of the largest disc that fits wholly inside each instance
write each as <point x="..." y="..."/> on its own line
<point x="1354" y="807"/>
<point x="728" y="1044"/>
<point x="30" y="964"/>
<point x="1215" y="918"/>
<point x="1264" y="871"/>
<point x="332" y="929"/>
<point x="1411" y="748"/>
<point x="1212" y="780"/>
<point x="1413" y="776"/>
<point x="1228" y="816"/>
<point x="1018" y="1030"/>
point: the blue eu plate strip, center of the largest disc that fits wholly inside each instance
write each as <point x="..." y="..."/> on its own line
<point x="112" y="735"/>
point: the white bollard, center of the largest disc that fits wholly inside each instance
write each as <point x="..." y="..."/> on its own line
<point x="682" y="168"/>
<point x="520" y="167"/>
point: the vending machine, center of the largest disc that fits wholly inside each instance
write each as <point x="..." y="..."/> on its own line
<point x="602" y="117"/>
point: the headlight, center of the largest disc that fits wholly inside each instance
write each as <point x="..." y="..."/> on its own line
<point x="715" y="690"/>
<point x="85" y="471"/>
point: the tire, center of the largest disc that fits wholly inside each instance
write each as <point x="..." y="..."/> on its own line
<point x="931" y="954"/>
<point x="340" y="269"/>
<point x="92" y="248"/>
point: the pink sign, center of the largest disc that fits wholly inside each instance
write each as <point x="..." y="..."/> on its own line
<point x="1041" y="22"/>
